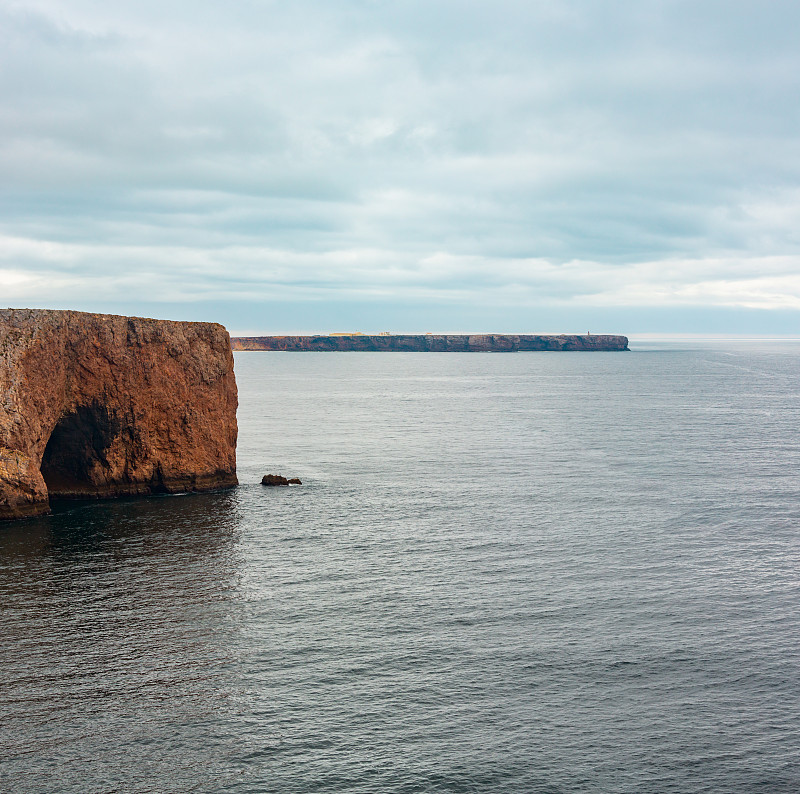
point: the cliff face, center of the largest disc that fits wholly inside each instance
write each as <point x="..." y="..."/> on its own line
<point x="97" y="405"/>
<point x="460" y="343"/>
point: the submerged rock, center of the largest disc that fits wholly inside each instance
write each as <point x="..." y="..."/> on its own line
<point x="276" y="479"/>
<point x="97" y="405"/>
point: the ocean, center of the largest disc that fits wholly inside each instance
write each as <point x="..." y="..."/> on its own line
<point x="528" y="572"/>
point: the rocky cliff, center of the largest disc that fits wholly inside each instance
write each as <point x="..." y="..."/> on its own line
<point x="96" y="405"/>
<point x="454" y="343"/>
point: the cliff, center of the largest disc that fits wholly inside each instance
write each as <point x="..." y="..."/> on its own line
<point x="434" y="343"/>
<point x="96" y="405"/>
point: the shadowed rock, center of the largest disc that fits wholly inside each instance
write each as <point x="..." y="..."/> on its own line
<point x="97" y="405"/>
<point x="276" y="479"/>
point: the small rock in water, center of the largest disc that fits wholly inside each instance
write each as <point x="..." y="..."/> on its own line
<point x="276" y="479"/>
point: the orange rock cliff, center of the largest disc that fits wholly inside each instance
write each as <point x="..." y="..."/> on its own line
<point x="97" y="405"/>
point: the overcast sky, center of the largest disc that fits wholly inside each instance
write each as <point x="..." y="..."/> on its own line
<point x="413" y="165"/>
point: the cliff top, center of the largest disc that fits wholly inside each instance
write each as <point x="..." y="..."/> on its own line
<point x="15" y="316"/>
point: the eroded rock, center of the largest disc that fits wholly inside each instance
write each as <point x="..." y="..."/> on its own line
<point x="97" y="405"/>
<point x="276" y="479"/>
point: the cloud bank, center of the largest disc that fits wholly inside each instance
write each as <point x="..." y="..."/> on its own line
<point x="562" y="156"/>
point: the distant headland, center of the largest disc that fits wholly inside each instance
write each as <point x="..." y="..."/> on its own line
<point x="432" y="343"/>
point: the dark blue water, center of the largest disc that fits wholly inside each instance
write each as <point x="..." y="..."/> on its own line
<point x="516" y="573"/>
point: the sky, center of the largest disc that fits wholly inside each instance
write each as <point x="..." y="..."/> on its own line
<point x="413" y="166"/>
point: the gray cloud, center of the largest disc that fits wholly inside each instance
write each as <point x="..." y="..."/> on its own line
<point x="553" y="153"/>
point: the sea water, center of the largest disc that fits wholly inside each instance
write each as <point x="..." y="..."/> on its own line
<point x="529" y="572"/>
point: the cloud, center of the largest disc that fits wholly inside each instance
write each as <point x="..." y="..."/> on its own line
<point x="567" y="153"/>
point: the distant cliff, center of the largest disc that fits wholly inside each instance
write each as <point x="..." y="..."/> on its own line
<point x="433" y="343"/>
<point x="97" y="405"/>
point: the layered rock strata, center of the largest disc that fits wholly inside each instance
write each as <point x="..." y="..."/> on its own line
<point x="97" y="405"/>
<point x="433" y="343"/>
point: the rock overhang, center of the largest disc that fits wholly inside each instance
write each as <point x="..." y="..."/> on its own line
<point x="99" y="405"/>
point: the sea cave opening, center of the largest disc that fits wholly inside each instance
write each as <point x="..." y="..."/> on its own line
<point x="75" y="452"/>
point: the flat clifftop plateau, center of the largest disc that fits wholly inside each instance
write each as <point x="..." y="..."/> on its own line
<point x="433" y="343"/>
<point x="97" y="405"/>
